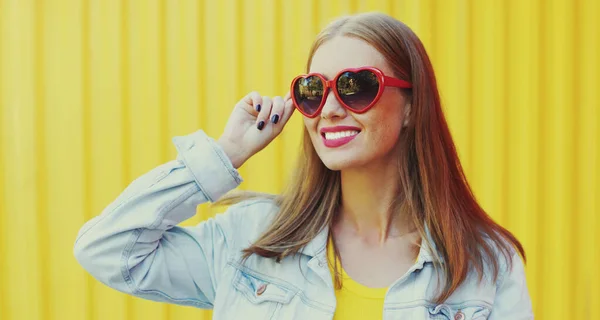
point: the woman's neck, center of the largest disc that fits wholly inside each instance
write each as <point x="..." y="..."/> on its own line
<point x="367" y="195"/>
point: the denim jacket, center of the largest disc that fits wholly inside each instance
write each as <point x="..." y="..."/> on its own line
<point x="136" y="246"/>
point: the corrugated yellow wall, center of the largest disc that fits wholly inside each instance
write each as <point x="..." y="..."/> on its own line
<point x="92" y="91"/>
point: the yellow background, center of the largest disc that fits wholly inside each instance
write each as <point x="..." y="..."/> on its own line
<point x="92" y="91"/>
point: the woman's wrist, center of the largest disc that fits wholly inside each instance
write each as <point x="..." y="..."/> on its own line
<point x="235" y="154"/>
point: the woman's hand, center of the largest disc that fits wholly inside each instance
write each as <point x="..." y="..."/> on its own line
<point x="254" y="122"/>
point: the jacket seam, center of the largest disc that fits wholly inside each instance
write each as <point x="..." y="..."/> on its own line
<point x="428" y="303"/>
<point x="159" y="178"/>
<point x="263" y="277"/>
<point x="282" y="283"/>
<point x="126" y="271"/>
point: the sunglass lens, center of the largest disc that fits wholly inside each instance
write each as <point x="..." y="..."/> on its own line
<point x="308" y="93"/>
<point x="358" y="89"/>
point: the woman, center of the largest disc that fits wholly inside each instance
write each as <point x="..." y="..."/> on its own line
<point x="378" y="221"/>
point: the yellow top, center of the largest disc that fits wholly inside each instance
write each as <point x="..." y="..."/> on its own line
<point x="354" y="300"/>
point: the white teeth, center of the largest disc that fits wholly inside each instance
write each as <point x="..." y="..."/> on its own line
<point x="339" y="135"/>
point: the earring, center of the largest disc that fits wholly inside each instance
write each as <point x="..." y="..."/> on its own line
<point x="406" y="115"/>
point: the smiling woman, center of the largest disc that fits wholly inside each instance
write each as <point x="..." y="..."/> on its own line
<point x="378" y="221"/>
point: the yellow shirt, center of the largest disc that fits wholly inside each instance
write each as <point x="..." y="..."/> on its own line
<point x="354" y="300"/>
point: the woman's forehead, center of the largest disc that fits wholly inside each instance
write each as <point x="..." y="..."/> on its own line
<point x="344" y="52"/>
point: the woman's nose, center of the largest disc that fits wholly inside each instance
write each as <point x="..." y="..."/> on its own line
<point x="332" y="107"/>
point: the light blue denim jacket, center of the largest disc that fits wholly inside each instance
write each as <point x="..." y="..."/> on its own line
<point x="136" y="246"/>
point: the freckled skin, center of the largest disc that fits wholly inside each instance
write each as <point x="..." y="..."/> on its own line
<point x="380" y="126"/>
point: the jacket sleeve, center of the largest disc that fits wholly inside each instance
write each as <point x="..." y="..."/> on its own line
<point x="512" y="296"/>
<point x="135" y="245"/>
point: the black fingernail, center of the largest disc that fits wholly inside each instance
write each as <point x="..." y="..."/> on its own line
<point x="275" y="118"/>
<point x="260" y="125"/>
<point x="258" y="107"/>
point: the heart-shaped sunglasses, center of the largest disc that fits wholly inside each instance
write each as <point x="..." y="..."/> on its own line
<point x="357" y="89"/>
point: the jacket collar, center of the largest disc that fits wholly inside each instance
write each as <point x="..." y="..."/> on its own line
<point x="317" y="244"/>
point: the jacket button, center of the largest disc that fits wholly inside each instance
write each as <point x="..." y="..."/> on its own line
<point x="459" y="316"/>
<point x="261" y="289"/>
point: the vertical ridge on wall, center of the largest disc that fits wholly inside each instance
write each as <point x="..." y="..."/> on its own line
<point x="164" y="81"/>
<point x="362" y="6"/>
<point x="202" y="75"/>
<point x="202" y="62"/>
<point x="587" y="281"/>
<point x="295" y="43"/>
<point x="353" y="5"/>
<point x="126" y="100"/>
<point x="427" y="13"/>
<point x="125" y="83"/>
<point x="543" y="295"/>
<point x="61" y="146"/>
<point x="163" y="101"/>
<point x="542" y="179"/>
<point x="279" y="88"/>
<point x="272" y="167"/>
<point x="317" y="23"/>
<point x="86" y="105"/>
<point x="468" y="155"/>
<point x="504" y="200"/>
<point x="241" y="19"/>
<point x="207" y="17"/>
<point x="108" y="135"/>
<point x="184" y="68"/>
<point x="254" y="75"/>
<point x="223" y="44"/>
<point x="41" y="212"/>
<point x="21" y="280"/>
<point x="523" y="110"/>
<point x="260" y="170"/>
<point x="487" y="109"/>
<point x="559" y="117"/>
<point x="145" y="98"/>
<point x="452" y="70"/>
<point x="3" y="127"/>
<point x="575" y="289"/>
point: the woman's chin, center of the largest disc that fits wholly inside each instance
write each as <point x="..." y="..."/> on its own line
<point x="338" y="162"/>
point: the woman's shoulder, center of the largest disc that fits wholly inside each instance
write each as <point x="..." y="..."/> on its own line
<point x="502" y="255"/>
<point x="244" y="221"/>
<point x="253" y="212"/>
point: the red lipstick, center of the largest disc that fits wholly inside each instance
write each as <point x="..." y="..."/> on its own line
<point x="337" y="142"/>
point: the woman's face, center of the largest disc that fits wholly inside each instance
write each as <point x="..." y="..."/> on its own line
<point x="379" y="127"/>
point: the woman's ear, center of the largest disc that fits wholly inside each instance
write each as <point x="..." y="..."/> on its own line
<point x="406" y="114"/>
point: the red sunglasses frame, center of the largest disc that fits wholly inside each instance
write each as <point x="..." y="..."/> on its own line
<point x="384" y="81"/>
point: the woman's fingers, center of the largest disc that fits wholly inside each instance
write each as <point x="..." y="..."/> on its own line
<point x="274" y="111"/>
<point x="253" y="101"/>
<point x="277" y="110"/>
<point x="264" y="112"/>
<point x="288" y="109"/>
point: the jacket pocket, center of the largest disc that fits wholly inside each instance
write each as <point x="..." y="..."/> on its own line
<point x="257" y="298"/>
<point x="458" y="312"/>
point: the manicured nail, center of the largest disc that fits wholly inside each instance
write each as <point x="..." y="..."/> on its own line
<point x="260" y="125"/>
<point x="258" y="107"/>
<point x="275" y="118"/>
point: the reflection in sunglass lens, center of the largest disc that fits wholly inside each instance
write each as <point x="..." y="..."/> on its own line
<point x="308" y="93"/>
<point x="359" y="89"/>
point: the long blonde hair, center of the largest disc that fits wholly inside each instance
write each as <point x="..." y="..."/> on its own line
<point x="433" y="188"/>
